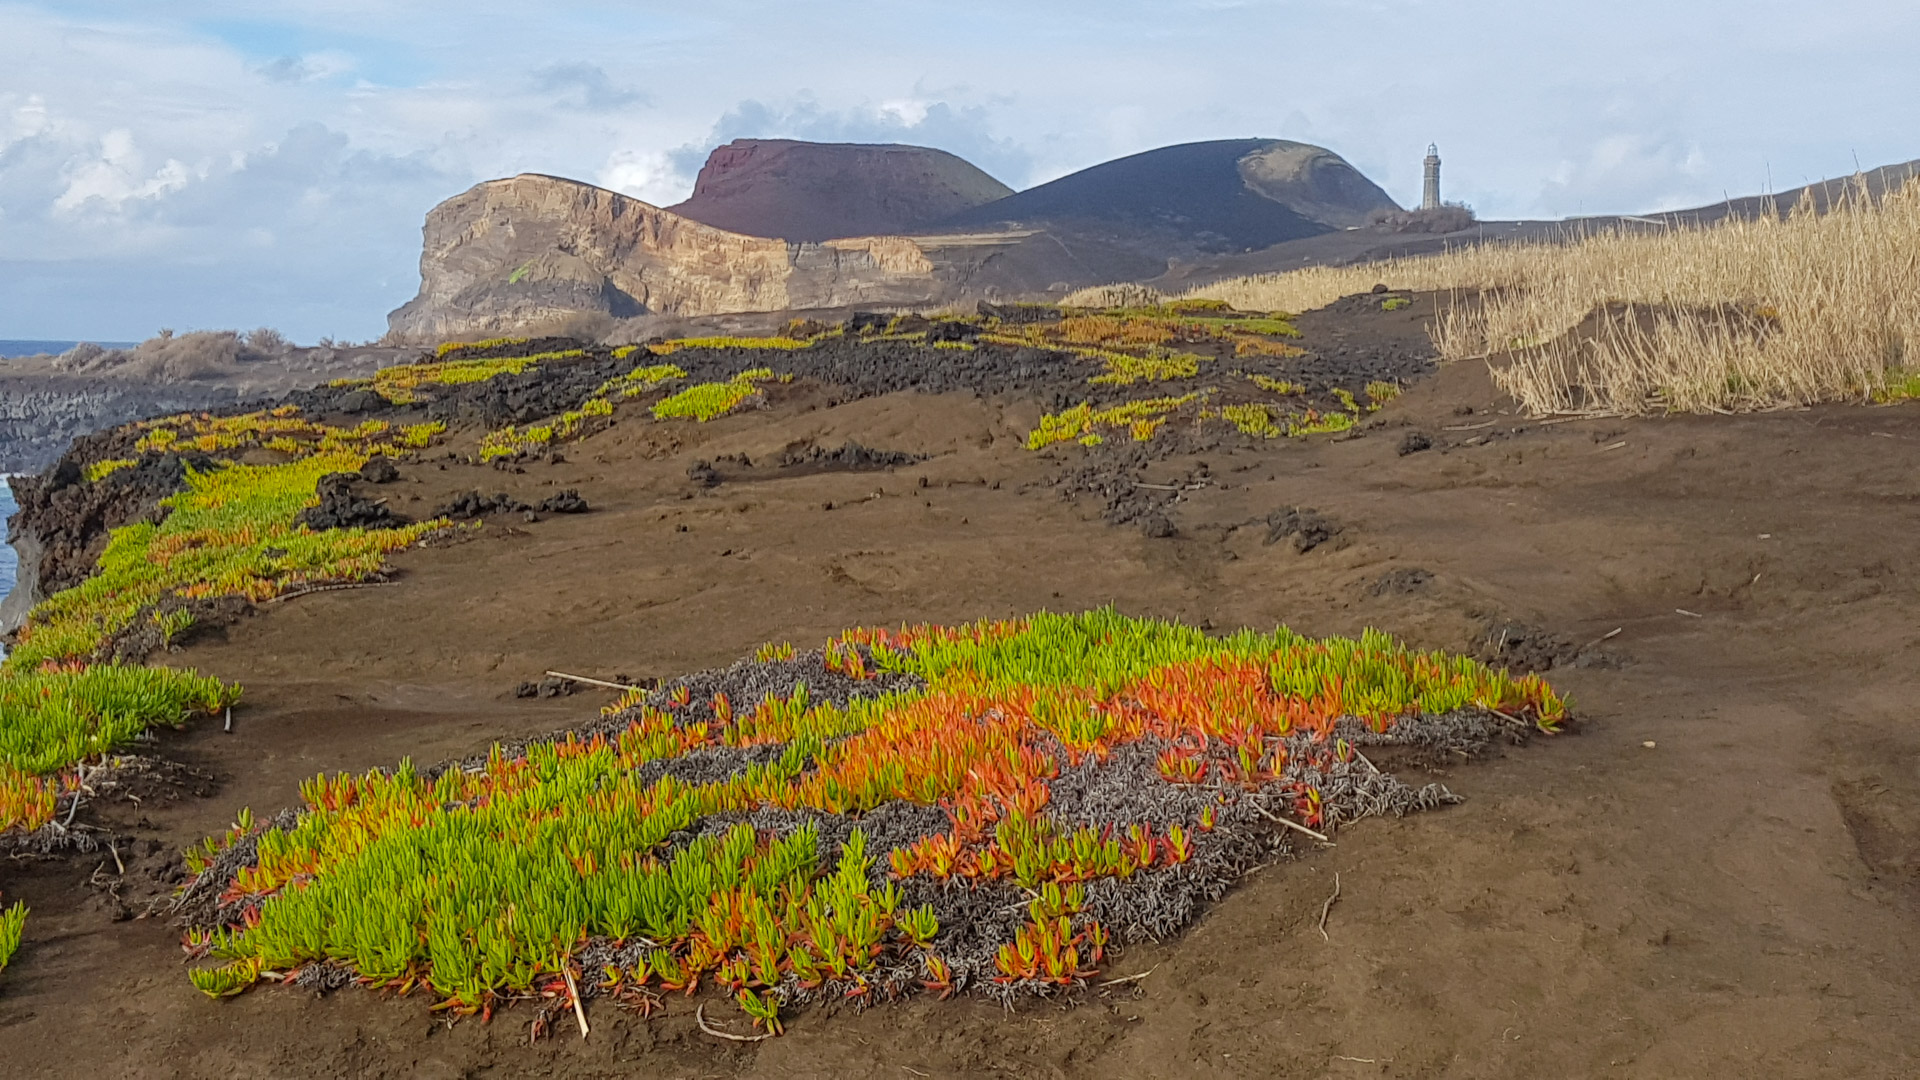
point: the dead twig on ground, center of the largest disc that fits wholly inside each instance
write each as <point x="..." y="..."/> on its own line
<point x="338" y="587"/>
<point x="594" y="682"/>
<point x="1328" y="906"/>
<point x="1294" y="825"/>
<point x="1608" y="636"/>
<point x="1131" y="978"/>
<point x="700" y="1017"/>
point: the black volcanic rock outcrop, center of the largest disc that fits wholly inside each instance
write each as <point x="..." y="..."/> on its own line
<point x="809" y="192"/>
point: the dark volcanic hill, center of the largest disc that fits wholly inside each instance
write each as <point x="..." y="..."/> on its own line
<point x="1228" y="195"/>
<point x="808" y="192"/>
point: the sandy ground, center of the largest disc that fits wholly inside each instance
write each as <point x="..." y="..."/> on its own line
<point x="1718" y="874"/>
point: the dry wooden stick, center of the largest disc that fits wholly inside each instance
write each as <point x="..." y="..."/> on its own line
<point x="329" y="588"/>
<point x="1328" y="906"/>
<point x="1277" y="819"/>
<point x="594" y="682"/>
<point x="1131" y="978"/>
<point x="700" y="1017"/>
<point x="573" y="991"/>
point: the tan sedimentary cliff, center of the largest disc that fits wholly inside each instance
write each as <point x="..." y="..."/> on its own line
<point x="515" y="252"/>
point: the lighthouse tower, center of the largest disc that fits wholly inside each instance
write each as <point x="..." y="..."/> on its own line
<point x="1430" y="195"/>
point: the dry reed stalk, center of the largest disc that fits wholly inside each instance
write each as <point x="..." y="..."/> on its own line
<point x="1736" y="316"/>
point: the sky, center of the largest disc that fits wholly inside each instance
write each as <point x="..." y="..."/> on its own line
<point x="204" y="164"/>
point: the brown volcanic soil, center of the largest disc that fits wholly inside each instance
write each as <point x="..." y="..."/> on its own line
<point x="1738" y="898"/>
<point x="807" y="192"/>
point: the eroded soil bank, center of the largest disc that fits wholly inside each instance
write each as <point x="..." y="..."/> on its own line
<point x="1718" y="874"/>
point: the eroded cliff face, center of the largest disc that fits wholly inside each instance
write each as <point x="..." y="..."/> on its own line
<point x="512" y="253"/>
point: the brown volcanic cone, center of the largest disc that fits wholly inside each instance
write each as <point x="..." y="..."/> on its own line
<point x="806" y="191"/>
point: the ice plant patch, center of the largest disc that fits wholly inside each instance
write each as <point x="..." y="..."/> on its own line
<point x="993" y="807"/>
<point x="13" y="921"/>
<point x="231" y="533"/>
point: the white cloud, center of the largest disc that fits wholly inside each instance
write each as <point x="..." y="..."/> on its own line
<point x="115" y="175"/>
<point x="647" y="175"/>
<point x="218" y="161"/>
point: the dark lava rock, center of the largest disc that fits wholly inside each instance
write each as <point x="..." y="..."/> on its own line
<point x="566" y="502"/>
<point x="546" y="688"/>
<point x="379" y="469"/>
<point x="1308" y="528"/>
<point x="341" y="508"/>
<point x="704" y="474"/>
<point x="953" y="330"/>
<point x="69" y="520"/>
<point x="1021" y="314"/>
<point x="1156" y="526"/>
<point x="472" y="504"/>
<point x="1413" y="442"/>
<point x="1400" y="582"/>
<point x="851" y="457"/>
<point x="1519" y="647"/>
<point x="359" y="401"/>
<point x="551" y="687"/>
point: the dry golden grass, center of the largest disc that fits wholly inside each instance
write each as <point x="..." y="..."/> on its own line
<point x="1740" y="315"/>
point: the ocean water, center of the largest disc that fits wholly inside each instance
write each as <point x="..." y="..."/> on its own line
<point x="10" y="349"/>
<point x="7" y="508"/>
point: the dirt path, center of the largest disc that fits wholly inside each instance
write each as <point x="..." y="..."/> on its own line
<point x="1741" y="897"/>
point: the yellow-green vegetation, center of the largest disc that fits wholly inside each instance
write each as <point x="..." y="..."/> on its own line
<point x="100" y="470"/>
<point x="641" y="380"/>
<point x="1379" y="393"/>
<point x="1136" y="344"/>
<point x="1252" y="419"/>
<point x="281" y="429"/>
<point x="1276" y="386"/>
<point x="706" y="401"/>
<point x="53" y="720"/>
<point x="398" y="383"/>
<point x="672" y="347"/>
<point x="1901" y="386"/>
<point x="1315" y="423"/>
<point x="449" y="348"/>
<point x="1125" y="369"/>
<point x="1083" y="422"/>
<point x="1395" y="303"/>
<point x="231" y="532"/>
<point x="13" y="922"/>
<point x="511" y="440"/>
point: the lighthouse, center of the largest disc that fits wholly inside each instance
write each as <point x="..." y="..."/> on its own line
<point x="1430" y="194"/>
